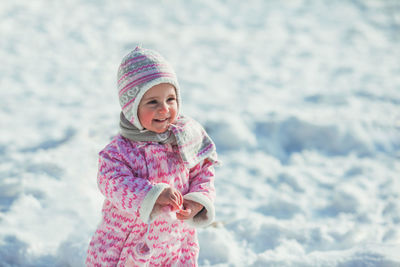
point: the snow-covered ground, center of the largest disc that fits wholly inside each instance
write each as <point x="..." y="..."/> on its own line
<point x="301" y="97"/>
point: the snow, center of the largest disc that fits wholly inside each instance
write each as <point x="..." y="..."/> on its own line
<point x="301" y="97"/>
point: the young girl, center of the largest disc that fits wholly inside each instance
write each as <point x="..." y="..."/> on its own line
<point x="157" y="175"/>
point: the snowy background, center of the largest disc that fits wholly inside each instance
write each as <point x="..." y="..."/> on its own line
<point x="301" y="97"/>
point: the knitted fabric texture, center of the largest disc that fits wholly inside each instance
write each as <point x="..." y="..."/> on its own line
<point x="140" y="70"/>
<point x="193" y="142"/>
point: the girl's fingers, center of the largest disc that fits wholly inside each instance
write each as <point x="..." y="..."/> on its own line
<point x="174" y="203"/>
<point x="181" y="217"/>
<point x="184" y="212"/>
<point x="179" y="198"/>
<point x="174" y="198"/>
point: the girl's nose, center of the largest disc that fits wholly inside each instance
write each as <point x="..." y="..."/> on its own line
<point x="163" y="108"/>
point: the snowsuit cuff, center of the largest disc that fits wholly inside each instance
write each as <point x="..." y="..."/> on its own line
<point x="147" y="210"/>
<point x="205" y="216"/>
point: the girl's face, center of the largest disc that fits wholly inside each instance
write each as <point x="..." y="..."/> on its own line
<point x="158" y="108"/>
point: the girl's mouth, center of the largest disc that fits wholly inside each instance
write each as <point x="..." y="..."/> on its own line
<point x="161" y="120"/>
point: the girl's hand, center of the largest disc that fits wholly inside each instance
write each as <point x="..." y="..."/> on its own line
<point x="190" y="209"/>
<point x="170" y="196"/>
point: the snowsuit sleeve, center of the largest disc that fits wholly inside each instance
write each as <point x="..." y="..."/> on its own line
<point x="118" y="183"/>
<point x="202" y="191"/>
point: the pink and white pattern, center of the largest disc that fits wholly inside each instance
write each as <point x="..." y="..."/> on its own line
<point x="131" y="176"/>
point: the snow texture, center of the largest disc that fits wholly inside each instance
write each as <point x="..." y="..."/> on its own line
<point x="301" y="97"/>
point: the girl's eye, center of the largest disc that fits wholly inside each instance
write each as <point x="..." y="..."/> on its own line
<point x="152" y="102"/>
<point x="171" y="99"/>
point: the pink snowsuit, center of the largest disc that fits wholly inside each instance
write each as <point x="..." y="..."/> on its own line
<point x="131" y="176"/>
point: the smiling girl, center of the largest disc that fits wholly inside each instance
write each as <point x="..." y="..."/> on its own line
<point x="157" y="175"/>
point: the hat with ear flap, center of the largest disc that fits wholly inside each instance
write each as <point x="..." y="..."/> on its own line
<point x="140" y="70"/>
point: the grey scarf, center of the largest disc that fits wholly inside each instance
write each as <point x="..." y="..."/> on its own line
<point x="128" y="130"/>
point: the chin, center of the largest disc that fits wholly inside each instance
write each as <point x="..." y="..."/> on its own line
<point x="160" y="131"/>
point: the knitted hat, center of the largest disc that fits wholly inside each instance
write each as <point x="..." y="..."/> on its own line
<point x="140" y="70"/>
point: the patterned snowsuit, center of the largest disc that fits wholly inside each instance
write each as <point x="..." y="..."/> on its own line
<point x="131" y="176"/>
